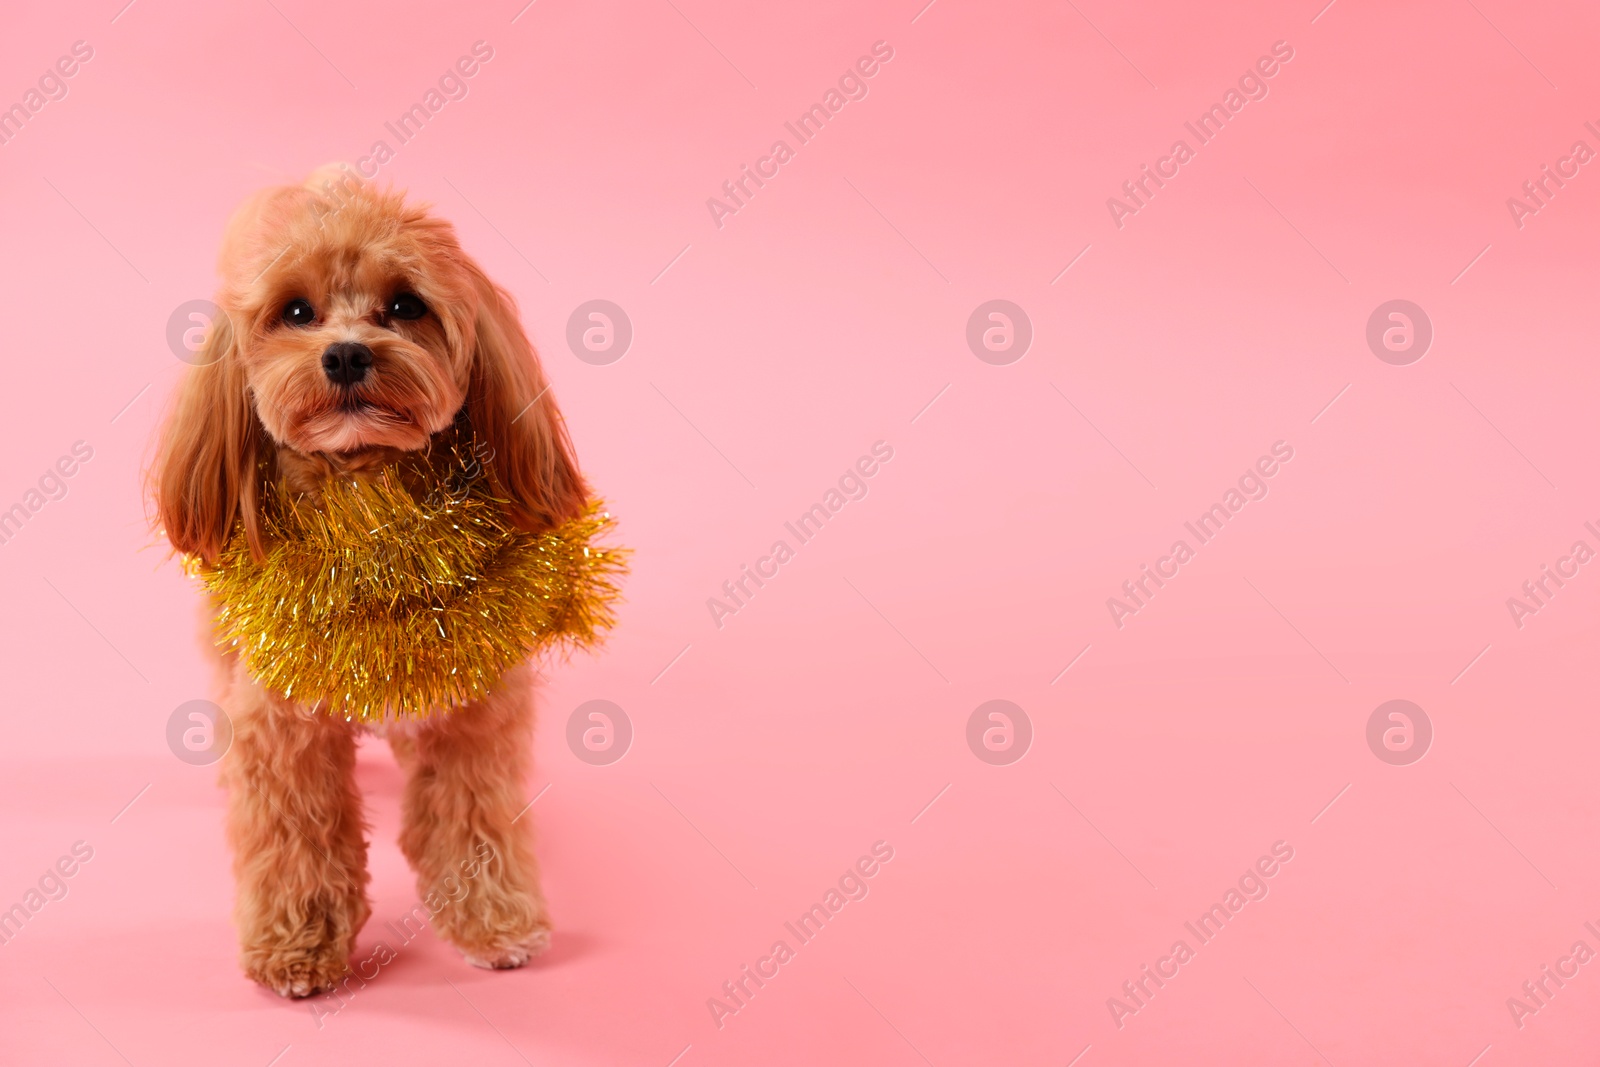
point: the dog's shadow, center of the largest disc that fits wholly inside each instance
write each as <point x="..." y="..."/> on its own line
<point x="428" y="981"/>
<point x="414" y="981"/>
<point x="441" y="957"/>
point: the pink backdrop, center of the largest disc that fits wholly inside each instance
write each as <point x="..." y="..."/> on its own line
<point x="1172" y="347"/>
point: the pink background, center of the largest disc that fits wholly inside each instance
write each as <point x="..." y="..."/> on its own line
<point x="824" y="316"/>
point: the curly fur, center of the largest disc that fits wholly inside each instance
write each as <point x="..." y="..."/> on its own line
<point x="258" y="406"/>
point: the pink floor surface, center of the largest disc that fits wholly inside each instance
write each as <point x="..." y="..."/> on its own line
<point x="1410" y="892"/>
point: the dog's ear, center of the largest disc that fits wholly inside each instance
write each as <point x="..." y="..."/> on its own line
<point x="512" y="412"/>
<point x="204" y="476"/>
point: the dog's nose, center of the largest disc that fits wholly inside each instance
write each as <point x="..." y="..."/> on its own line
<point x="347" y="362"/>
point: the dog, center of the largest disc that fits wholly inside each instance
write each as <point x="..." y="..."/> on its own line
<point x="352" y="330"/>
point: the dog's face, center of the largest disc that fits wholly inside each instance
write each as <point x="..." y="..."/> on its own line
<point x="358" y="333"/>
<point x="353" y="325"/>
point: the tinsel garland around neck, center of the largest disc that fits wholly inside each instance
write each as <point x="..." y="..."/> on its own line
<point x="407" y="593"/>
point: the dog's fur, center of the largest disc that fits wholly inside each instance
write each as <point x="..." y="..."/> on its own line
<point x="259" y="406"/>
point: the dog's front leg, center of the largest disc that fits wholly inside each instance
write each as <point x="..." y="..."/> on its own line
<point x="465" y="831"/>
<point x="299" y="851"/>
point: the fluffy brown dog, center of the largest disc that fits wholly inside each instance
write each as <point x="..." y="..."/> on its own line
<point x="354" y="329"/>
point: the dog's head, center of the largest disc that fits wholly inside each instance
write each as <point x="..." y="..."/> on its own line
<point x="352" y="325"/>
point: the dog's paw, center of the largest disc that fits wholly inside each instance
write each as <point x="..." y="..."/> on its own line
<point x="506" y="957"/>
<point x="299" y="973"/>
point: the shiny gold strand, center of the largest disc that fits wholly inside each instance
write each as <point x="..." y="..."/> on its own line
<point x="375" y="604"/>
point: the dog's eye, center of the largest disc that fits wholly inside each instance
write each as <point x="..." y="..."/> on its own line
<point x="406" y="306"/>
<point x="299" y="313"/>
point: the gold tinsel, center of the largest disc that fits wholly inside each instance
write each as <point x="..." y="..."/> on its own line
<point x="407" y="593"/>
